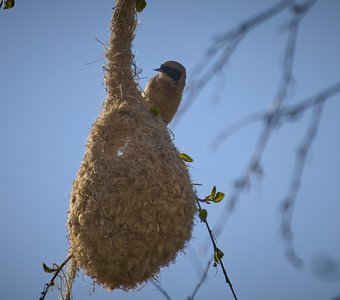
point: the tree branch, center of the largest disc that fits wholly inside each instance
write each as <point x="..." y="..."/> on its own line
<point x="216" y="249"/>
<point x="288" y="203"/>
<point x="203" y="278"/>
<point x="159" y="287"/>
<point x="286" y="113"/>
<point x="272" y="113"/>
<point x="219" y="53"/>
<point x="51" y="282"/>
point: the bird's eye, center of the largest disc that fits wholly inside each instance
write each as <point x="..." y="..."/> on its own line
<point x="171" y="72"/>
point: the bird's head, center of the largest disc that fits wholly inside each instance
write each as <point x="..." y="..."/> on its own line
<point x="174" y="71"/>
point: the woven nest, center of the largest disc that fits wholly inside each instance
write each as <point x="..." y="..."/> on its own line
<point x="132" y="203"/>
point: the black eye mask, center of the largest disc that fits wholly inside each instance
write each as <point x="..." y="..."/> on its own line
<point x="172" y="73"/>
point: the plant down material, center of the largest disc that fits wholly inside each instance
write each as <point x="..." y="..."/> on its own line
<point x="132" y="203"/>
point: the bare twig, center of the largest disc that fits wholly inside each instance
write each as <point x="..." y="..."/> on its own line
<point x="289" y="201"/>
<point x="219" y="53"/>
<point x="229" y="130"/>
<point x="287" y="112"/>
<point x="203" y="278"/>
<point x="52" y="281"/>
<point x="195" y="261"/>
<point x="272" y="114"/>
<point x="292" y="111"/>
<point x="159" y="287"/>
<point x="100" y="42"/>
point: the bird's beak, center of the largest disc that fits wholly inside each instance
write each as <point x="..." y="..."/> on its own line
<point x="158" y="70"/>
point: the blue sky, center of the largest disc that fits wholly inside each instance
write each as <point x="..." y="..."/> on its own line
<point x="52" y="89"/>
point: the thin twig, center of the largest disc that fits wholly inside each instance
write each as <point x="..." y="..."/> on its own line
<point x="195" y="261"/>
<point x="51" y="282"/>
<point x="289" y="201"/>
<point x="287" y="112"/>
<point x="159" y="287"/>
<point x="212" y="238"/>
<point x="203" y="278"/>
<point x="229" y="130"/>
<point x="254" y="163"/>
<point x="100" y="42"/>
<point x="320" y="97"/>
<point x="221" y="51"/>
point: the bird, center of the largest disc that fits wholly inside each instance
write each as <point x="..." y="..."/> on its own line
<point x="163" y="92"/>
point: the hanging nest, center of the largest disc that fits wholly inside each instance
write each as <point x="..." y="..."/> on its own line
<point x="132" y="203"/>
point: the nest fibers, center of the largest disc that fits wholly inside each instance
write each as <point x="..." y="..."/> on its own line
<point x="132" y="203"/>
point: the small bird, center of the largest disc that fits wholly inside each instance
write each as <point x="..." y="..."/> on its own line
<point x="163" y="92"/>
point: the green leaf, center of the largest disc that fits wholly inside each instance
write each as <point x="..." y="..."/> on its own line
<point x="140" y="5"/>
<point x="185" y="157"/>
<point x="218" y="254"/>
<point x="9" y="4"/>
<point x="47" y="269"/>
<point x="218" y="197"/>
<point x="155" y="111"/>
<point x="212" y="194"/>
<point x="203" y="214"/>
